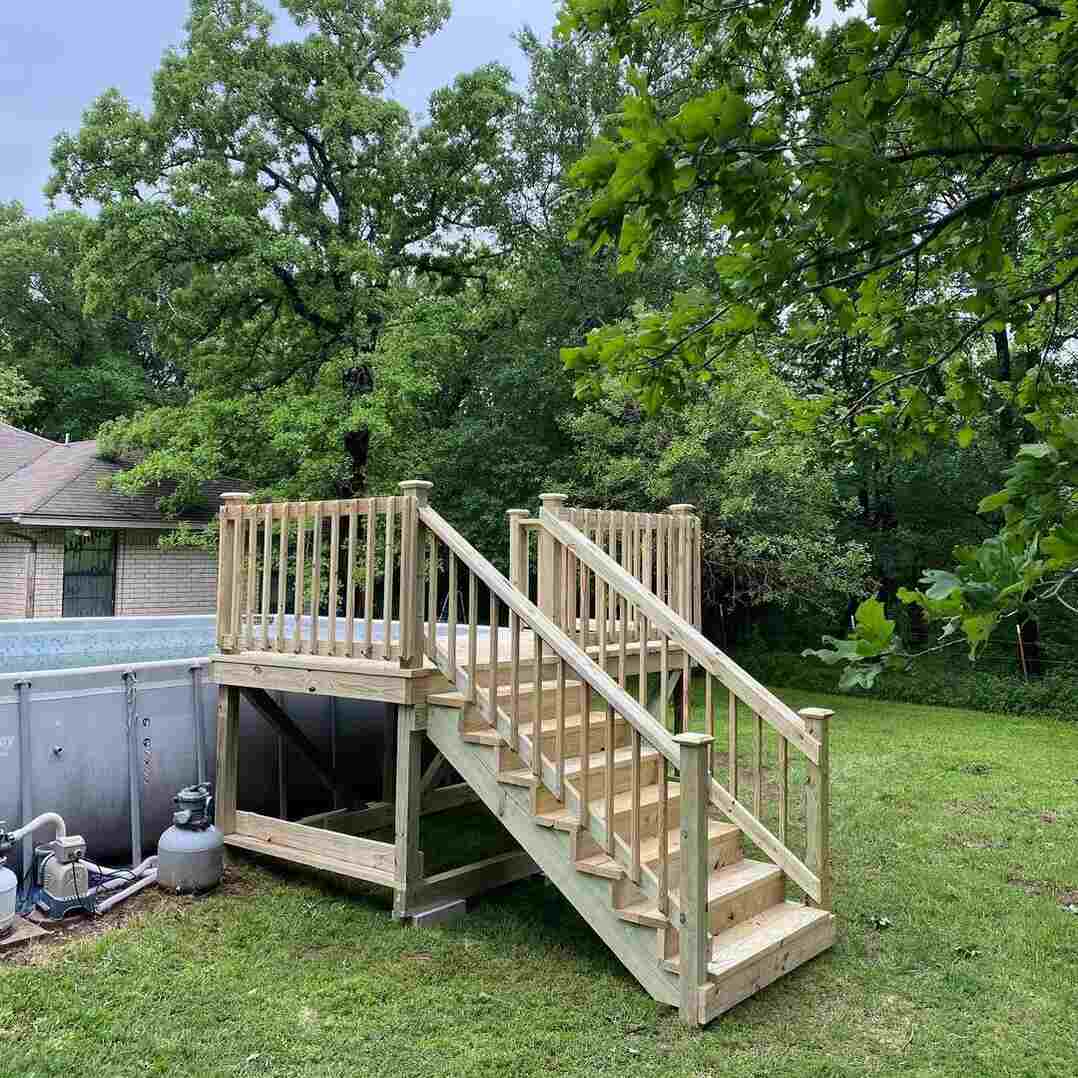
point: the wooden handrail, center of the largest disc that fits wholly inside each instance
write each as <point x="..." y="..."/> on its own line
<point x="560" y="644"/>
<point x="762" y="701"/>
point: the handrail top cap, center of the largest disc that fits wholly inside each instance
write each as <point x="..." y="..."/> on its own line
<point x="682" y="507"/>
<point x="516" y="512"/>
<point x="693" y="739"/>
<point x="816" y="713"/>
<point x="236" y="496"/>
<point x="553" y="497"/>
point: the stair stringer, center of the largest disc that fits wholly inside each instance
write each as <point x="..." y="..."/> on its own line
<point x="550" y="849"/>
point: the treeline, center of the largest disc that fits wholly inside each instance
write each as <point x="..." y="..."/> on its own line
<point x="669" y="268"/>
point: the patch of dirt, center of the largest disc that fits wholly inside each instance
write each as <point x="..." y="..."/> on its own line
<point x="978" y="841"/>
<point x="239" y="881"/>
<point x="958" y="807"/>
<point x="1065" y="894"/>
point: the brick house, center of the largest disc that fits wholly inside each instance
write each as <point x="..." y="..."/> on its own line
<point x="69" y="549"/>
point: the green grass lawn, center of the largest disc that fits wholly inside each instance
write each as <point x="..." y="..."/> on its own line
<point x="955" y="841"/>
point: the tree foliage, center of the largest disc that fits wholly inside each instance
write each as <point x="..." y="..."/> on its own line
<point x="269" y="218"/>
<point x="891" y="208"/>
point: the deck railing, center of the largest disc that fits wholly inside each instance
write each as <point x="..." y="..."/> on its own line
<point x="617" y="589"/>
<point x="321" y="578"/>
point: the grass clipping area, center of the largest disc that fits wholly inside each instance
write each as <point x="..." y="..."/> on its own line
<point x="955" y="843"/>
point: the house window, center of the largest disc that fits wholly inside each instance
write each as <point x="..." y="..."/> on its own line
<point x="89" y="573"/>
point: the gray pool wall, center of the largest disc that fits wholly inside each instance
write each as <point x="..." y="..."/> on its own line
<point x="78" y="729"/>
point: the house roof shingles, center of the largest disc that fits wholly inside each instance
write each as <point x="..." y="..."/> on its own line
<point x="44" y="482"/>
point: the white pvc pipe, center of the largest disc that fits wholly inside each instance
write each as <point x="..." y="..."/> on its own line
<point x="39" y="821"/>
<point x="127" y="892"/>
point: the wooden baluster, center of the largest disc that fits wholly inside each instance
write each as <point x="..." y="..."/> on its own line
<point x="642" y="666"/>
<point x="608" y="777"/>
<point x="350" y="580"/>
<point x="334" y="559"/>
<point x="537" y="696"/>
<point x="585" y="760"/>
<point x="473" y="635"/>
<point x="663" y="897"/>
<point x="409" y="591"/>
<point x="316" y="578"/>
<point x="784" y="787"/>
<point x="432" y="595"/>
<point x="514" y="681"/>
<point x="565" y="604"/>
<point x="758" y="767"/>
<point x="301" y="556"/>
<point x="250" y="522"/>
<point x="623" y="611"/>
<point x="732" y="738"/>
<point x="635" y="555"/>
<point x="818" y="803"/>
<point x="451" y="632"/>
<point x="282" y="575"/>
<point x="698" y="571"/>
<point x="648" y="567"/>
<point x="686" y="690"/>
<point x="387" y="588"/>
<point x="559" y="735"/>
<point x="368" y="591"/>
<point x="664" y="677"/>
<point x="495" y="658"/>
<point x="267" y="565"/>
<point x="601" y="593"/>
<point x="709" y="722"/>
<point x="634" y="871"/>
<point x="660" y="555"/>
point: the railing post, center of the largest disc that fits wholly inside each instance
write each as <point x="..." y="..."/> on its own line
<point x="550" y="584"/>
<point x="228" y="564"/>
<point x="818" y="803"/>
<point x="694" y="941"/>
<point x="518" y="550"/>
<point x="412" y="621"/>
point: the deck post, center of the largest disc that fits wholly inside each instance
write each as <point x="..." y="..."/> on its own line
<point x="411" y="730"/>
<point x="228" y="757"/>
<point x="694" y="942"/>
<point x="227" y="568"/>
<point x="818" y="803"/>
<point x="413" y="594"/>
<point x="550" y="585"/>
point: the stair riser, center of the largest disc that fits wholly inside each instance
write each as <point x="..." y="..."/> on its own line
<point x="527" y="703"/>
<point x="623" y="779"/>
<point x="730" y="911"/>
<point x="550" y="668"/>
<point x="723" y="851"/>
<point x="649" y="819"/>
<point x="574" y="739"/>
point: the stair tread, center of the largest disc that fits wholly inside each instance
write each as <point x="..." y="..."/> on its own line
<point x="741" y="943"/>
<point x="600" y="864"/>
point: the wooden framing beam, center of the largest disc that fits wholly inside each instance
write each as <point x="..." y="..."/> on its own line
<point x="279" y="719"/>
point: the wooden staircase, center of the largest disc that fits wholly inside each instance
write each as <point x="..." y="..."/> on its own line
<point x="755" y="934"/>
<point x="556" y="716"/>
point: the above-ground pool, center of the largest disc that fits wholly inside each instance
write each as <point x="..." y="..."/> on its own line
<point x="87" y="702"/>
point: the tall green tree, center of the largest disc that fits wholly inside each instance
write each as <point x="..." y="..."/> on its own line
<point x="270" y="216"/>
<point x="78" y="369"/>
<point x="896" y="191"/>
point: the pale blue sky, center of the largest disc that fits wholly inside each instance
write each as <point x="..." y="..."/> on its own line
<point x="56" y="56"/>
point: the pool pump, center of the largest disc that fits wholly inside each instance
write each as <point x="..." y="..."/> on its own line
<point x="62" y="879"/>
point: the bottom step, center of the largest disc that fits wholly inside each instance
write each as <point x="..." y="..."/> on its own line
<point x="756" y="952"/>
